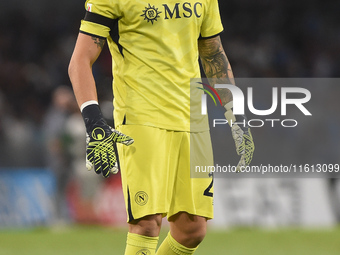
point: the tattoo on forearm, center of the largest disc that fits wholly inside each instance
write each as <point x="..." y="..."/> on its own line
<point x="99" y="41"/>
<point x="216" y="66"/>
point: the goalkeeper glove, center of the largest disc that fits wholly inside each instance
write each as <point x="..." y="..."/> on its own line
<point x="242" y="136"/>
<point x="100" y="139"/>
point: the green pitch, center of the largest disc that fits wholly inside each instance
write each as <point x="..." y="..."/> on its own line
<point x="102" y="241"/>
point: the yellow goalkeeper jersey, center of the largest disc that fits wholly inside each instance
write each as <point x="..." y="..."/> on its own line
<point x="155" y="54"/>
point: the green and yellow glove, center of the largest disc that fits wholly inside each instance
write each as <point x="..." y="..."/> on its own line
<point x="100" y="142"/>
<point x="242" y="136"/>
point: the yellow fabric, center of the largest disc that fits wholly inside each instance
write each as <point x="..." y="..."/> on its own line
<point x="159" y="56"/>
<point x="140" y="245"/>
<point x="155" y="172"/>
<point x="171" y="247"/>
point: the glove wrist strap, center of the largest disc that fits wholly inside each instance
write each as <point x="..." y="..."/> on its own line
<point x="229" y="115"/>
<point x="87" y="103"/>
<point x="229" y="106"/>
<point x="92" y="115"/>
<point x="232" y="119"/>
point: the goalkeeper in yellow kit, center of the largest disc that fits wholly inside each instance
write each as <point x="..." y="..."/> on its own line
<point x="155" y="47"/>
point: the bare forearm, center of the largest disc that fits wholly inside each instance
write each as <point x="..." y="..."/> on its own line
<point x="85" y="54"/>
<point x="216" y="66"/>
<point x="82" y="82"/>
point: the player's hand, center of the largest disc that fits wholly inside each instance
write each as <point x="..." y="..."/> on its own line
<point x="242" y="137"/>
<point x="100" y="142"/>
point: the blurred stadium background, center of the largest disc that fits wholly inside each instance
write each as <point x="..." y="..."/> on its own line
<point x="49" y="203"/>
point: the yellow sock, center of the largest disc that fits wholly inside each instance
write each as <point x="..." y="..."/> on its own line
<point x="171" y="247"/>
<point x="140" y="245"/>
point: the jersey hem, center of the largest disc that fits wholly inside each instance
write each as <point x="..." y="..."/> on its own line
<point x="209" y="37"/>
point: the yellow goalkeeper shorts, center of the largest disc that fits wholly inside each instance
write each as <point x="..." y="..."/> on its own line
<point x="155" y="172"/>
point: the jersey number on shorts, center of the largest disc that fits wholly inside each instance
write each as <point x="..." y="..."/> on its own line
<point x="207" y="190"/>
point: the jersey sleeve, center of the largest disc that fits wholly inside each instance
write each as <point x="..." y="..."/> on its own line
<point x="212" y="24"/>
<point x="100" y="17"/>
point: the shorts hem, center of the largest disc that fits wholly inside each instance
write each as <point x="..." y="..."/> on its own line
<point x="205" y="214"/>
<point x="139" y="216"/>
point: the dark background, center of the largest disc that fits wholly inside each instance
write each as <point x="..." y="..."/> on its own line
<point x="262" y="39"/>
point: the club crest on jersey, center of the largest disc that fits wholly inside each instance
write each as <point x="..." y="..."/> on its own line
<point x="151" y="13"/>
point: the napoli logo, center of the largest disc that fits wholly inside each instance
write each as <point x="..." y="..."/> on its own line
<point x="143" y="252"/>
<point x="141" y="198"/>
<point x="151" y="13"/>
<point x="98" y="133"/>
